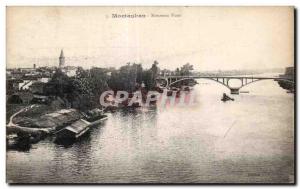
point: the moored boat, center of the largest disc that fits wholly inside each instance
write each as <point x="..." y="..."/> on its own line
<point x="74" y="131"/>
<point x="81" y="126"/>
<point x="95" y="116"/>
<point x="226" y="98"/>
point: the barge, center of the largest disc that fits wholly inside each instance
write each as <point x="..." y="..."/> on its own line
<point x="81" y="126"/>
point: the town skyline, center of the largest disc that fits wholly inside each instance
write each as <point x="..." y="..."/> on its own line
<point x="55" y="62"/>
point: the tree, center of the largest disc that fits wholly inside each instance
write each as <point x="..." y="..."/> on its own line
<point x="81" y="73"/>
<point x="186" y="69"/>
<point x="126" y="78"/>
<point x="155" y="69"/>
<point x="87" y="88"/>
<point x="138" y="72"/>
<point x="148" y="79"/>
<point x="59" y="85"/>
<point x="98" y="81"/>
<point x="81" y="96"/>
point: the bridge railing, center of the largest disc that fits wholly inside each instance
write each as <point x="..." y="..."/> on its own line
<point x="229" y="77"/>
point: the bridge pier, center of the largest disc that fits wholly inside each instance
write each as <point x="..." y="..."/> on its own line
<point x="235" y="91"/>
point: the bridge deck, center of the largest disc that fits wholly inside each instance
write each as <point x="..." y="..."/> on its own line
<point x="214" y="77"/>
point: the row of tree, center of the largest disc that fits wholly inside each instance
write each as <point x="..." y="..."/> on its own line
<point x="83" y="90"/>
<point x="186" y="69"/>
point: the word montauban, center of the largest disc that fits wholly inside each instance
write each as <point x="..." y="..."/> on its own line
<point x="128" y="15"/>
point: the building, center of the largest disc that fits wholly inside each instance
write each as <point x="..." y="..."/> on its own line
<point x="25" y="84"/>
<point x="61" y="59"/>
<point x="70" y="71"/>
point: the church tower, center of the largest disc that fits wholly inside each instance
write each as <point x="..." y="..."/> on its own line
<point x="61" y="59"/>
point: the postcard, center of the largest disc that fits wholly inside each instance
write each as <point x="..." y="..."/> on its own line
<point x="151" y="95"/>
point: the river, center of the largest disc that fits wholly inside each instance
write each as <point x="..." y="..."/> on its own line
<point x="250" y="139"/>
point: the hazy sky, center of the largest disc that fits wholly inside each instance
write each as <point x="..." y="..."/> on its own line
<point x="210" y="38"/>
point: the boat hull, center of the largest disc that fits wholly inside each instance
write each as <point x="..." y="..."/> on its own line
<point x="70" y="133"/>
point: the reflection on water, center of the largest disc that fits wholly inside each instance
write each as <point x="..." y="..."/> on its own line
<point x="246" y="140"/>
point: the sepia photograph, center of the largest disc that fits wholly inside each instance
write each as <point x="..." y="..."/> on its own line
<point x="150" y="95"/>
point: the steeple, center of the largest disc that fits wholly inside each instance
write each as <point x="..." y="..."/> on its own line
<point x="61" y="59"/>
<point x="61" y="53"/>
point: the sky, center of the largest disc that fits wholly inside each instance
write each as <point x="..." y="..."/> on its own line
<point x="210" y="38"/>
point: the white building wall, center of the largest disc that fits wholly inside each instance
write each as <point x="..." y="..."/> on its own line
<point x="25" y="84"/>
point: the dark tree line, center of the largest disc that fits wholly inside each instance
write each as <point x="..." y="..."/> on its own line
<point x="185" y="70"/>
<point x="132" y="76"/>
<point x="83" y="90"/>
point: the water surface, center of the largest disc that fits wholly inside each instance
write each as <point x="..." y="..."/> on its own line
<point x="250" y="139"/>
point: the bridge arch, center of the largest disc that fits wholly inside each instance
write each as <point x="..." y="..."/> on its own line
<point x="165" y="80"/>
<point x="224" y="81"/>
<point x="264" y="79"/>
<point x="183" y="79"/>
